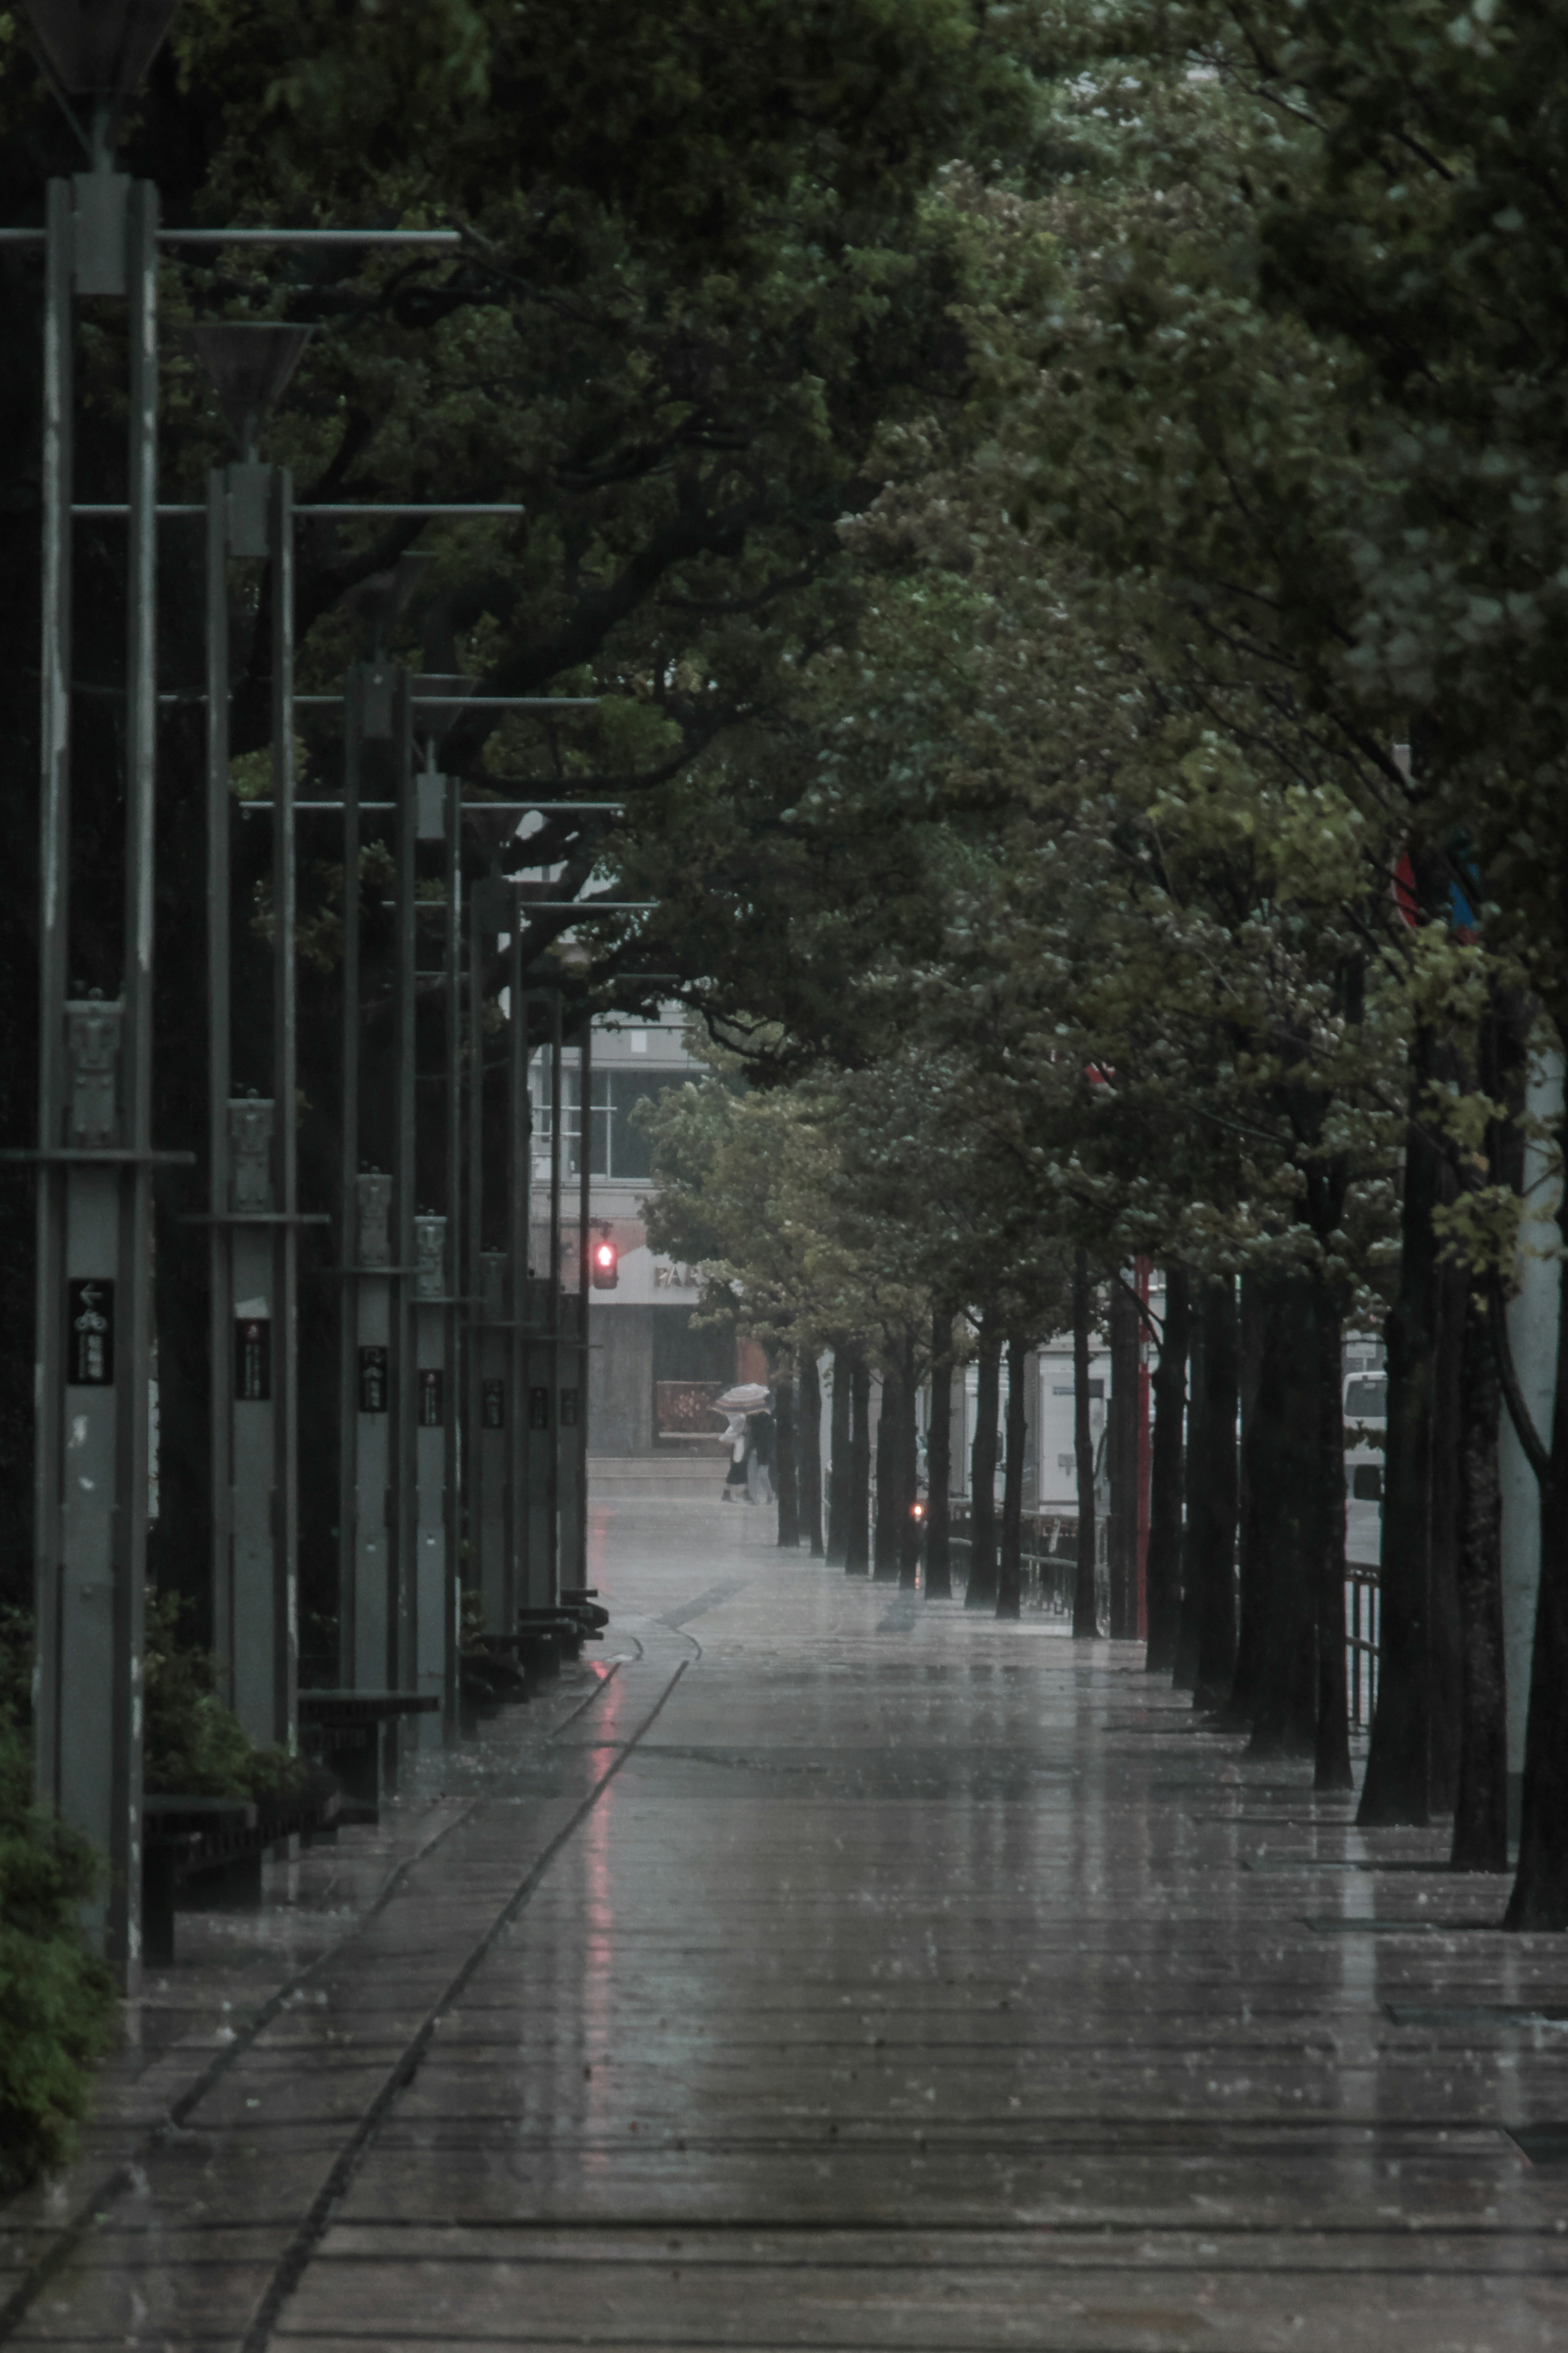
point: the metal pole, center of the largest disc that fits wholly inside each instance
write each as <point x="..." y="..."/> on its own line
<point x="286" y="1097"/>
<point x="492" y="1400"/>
<point x="350" y="1676"/>
<point x="369" y="1429"/>
<point x="462" y="1253"/>
<point x="579" y="1563"/>
<point x="552" y="1308"/>
<point x="54" y="939"/>
<point x="134" y="1331"/>
<point x="401" y="1663"/>
<point x="520" y="1290"/>
<point x="255" y="1193"/>
<point x="220" y="1080"/>
<point x="432" y="1577"/>
<point x="478" y="1349"/>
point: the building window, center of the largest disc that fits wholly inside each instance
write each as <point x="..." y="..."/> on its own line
<point x="616" y="1148"/>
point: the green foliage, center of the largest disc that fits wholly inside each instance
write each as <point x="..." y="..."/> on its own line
<point x="192" y="1744"/>
<point x="56" y="2006"/>
<point x="1076" y="856"/>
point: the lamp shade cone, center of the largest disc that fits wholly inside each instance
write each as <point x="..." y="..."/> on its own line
<point x="99" y="49"/>
<point x="249" y="362"/>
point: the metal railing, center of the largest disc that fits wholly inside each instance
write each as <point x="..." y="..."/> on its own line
<point x="1364" y="1630"/>
<point x="1050" y="1568"/>
<point x="1049" y="1558"/>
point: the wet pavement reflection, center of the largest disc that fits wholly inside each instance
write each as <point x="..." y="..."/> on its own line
<point x="824" y="1969"/>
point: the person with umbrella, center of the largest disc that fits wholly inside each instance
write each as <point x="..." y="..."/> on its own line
<point x="749" y="1434"/>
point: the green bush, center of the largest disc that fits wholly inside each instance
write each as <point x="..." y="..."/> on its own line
<point x="193" y="1744"/>
<point x="57" y="2004"/>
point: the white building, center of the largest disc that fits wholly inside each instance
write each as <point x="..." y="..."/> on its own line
<point x="650" y="1374"/>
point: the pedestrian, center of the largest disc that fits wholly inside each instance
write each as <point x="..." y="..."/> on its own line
<point x="738" y="1439"/>
<point x="762" y="1434"/>
<point x="741" y="1406"/>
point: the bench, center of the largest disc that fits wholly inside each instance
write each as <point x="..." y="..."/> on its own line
<point x="343" y="1729"/>
<point x="219" y="1842"/>
<point x="487" y="1682"/>
<point x="538" y="1649"/>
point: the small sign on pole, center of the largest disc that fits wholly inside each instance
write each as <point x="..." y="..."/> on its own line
<point x="373" y="1361"/>
<point x="89" y="1332"/>
<point x="253" y="1359"/>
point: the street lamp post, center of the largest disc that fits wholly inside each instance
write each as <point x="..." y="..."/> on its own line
<point x="490" y="1386"/>
<point x="95" y="1148"/>
<point x="95" y="1152"/>
<point x="434" y="802"/>
<point x="253" y="1139"/>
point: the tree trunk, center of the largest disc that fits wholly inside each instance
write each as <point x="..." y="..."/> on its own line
<point x="857" y="1549"/>
<point x="1289" y="1521"/>
<point x="1189" y="1618"/>
<point x="1084" y="1611"/>
<point x="1331" y="1768"/>
<point x="909" y="1470"/>
<point x="1251" y="1564"/>
<point x="1169" y="1386"/>
<point x="808" y="1453"/>
<point x="981" y="1591"/>
<point x="1216" y="1667"/>
<point x="1447" y="1671"/>
<point x="838" y="1461"/>
<point x="890" y="1442"/>
<point x="786" y="1476"/>
<point x="939" y="1461"/>
<point x="1010" y="1576"/>
<point x="1480" y="1809"/>
<point x="1121" y="1461"/>
<point x="1398" y="1765"/>
<point x="1540" y="1897"/>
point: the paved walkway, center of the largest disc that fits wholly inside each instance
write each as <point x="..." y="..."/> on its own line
<point x="831" y="1971"/>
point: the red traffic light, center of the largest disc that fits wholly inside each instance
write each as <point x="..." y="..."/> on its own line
<point x="604" y="1265"/>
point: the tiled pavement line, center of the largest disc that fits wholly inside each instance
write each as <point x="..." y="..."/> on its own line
<point x="126" y="2176"/>
<point x="290" y="2270"/>
<point x="721" y="2190"/>
<point x="766" y="2173"/>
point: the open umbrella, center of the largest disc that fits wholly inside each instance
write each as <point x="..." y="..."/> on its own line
<point x="748" y="1397"/>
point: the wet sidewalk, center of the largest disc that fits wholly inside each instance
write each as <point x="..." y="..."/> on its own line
<point x="833" y="1970"/>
